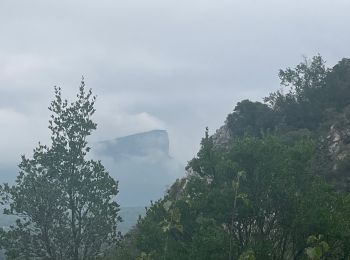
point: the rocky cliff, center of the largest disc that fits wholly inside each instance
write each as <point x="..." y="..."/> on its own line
<point x="142" y="165"/>
<point x="152" y="143"/>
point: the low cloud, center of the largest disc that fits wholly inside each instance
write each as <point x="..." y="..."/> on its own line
<point x="115" y="119"/>
<point x="19" y="134"/>
<point x="142" y="179"/>
<point x="174" y="65"/>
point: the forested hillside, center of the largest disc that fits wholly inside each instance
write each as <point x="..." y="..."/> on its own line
<point x="272" y="183"/>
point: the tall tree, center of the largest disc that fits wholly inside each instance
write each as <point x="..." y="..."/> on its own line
<point x="303" y="104"/>
<point x="251" y="119"/>
<point x="65" y="204"/>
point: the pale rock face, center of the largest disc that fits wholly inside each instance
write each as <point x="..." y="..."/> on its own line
<point x="222" y="137"/>
<point x="142" y="165"/>
<point x="221" y="140"/>
<point x="334" y="141"/>
<point x="152" y="143"/>
<point x="338" y="146"/>
<point x="338" y="141"/>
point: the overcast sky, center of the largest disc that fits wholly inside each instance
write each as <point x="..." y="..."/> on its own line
<point x="155" y="64"/>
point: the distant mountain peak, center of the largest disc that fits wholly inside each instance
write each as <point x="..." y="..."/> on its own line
<point x="152" y="143"/>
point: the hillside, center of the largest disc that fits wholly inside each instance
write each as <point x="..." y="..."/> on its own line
<point x="272" y="183"/>
<point x="153" y="143"/>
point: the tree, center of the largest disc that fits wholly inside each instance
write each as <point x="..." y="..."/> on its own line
<point x="64" y="203"/>
<point x="251" y="119"/>
<point x="303" y="104"/>
<point x="261" y="200"/>
<point x="337" y="91"/>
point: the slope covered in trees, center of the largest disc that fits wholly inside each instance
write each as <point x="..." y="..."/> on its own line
<point x="273" y="186"/>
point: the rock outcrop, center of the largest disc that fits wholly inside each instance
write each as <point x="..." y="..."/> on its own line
<point x="222" y="137"/>
<point x="152" y="143"/>
<point x="142" y="165"/>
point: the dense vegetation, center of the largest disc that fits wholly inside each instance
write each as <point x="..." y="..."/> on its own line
<point x="276" y="188"/>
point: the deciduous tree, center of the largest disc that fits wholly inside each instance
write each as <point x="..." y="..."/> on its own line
<point x="64" y="202"/>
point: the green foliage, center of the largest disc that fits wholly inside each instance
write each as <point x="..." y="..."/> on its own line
<point x="247" y="255"/>
<point x="144" y="256"/>
<point x="204" y="164"/>
<point x="251" y="119"/>
<point x="317" y="248"/>
<point x="244" y="213"/>
<point x="269" y="190"/>
<point x="302" y="106"/>
<point x="337" y="88"/>
<point x="312" y="90"/>
<point x="305" y="78"/>
<point x="64" y="202"/>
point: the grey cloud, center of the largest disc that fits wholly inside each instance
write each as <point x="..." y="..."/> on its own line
<point x="179" y="65"/>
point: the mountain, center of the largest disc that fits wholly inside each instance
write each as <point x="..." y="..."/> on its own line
<point x="152" y="143"/>
<point x="142" y="165"/>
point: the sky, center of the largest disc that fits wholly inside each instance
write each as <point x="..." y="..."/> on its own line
<point x="178" y="65"/>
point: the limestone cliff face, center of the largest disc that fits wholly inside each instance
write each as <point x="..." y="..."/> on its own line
<point x="142" y="165"/>
<point x="337" y="143"/>
<point x="152" y="143"/>
<point x="338" y="137"/>
<point x="222" y="137"/>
